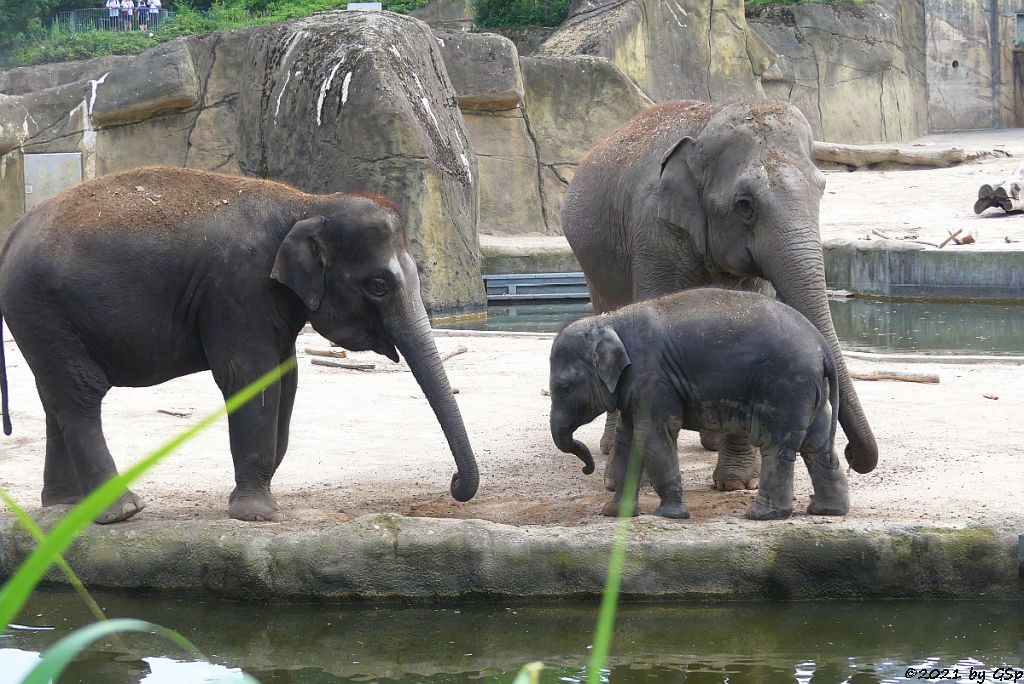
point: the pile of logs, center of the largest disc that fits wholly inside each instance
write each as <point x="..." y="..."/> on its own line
<point x="1005" y="195"/>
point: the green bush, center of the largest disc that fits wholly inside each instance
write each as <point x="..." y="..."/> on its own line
<point x="498" y="13"/>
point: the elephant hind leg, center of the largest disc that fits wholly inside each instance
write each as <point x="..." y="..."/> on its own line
<point x="61" y="486"/>
<point x="739" y="465"/>
<point x="774" y="500"/>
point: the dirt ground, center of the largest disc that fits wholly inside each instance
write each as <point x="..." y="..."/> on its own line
<point x="367" y="442"/>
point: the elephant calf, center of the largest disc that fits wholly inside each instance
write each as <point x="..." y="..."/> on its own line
<point x="136" y="278"/>
<point x="705" y="359"/>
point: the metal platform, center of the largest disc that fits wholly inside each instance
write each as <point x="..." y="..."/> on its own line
<point x="536" y="287"/>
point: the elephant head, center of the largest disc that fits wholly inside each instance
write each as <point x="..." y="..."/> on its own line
<point x="587" y="363"/>
<point x="745" y="195"/>
<point x="349" y="262"/>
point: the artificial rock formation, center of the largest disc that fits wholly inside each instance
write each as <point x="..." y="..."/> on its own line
<point x="361" y="101"/>
<point x="855" y="71"/>
<point x="671" y="49"/>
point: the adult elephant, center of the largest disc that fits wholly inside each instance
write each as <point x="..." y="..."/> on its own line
<point x="140" y="277"/>
<point x="688" y="194"/>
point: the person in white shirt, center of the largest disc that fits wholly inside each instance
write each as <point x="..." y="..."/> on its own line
<point x="154" y="13"/>
<point x="113" y="12"/>
<point x="127" y="11"/>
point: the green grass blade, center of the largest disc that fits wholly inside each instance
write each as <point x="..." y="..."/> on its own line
<point x="57" y="657"/>
<point x="617" y="561"/>
<point x="33" y="529"/>
<point x="16" y="591"/>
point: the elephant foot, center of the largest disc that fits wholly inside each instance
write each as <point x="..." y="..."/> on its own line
<point x="762" y="509"/>
<point x="125" y="507"/>
<point x="254" y="507"/>
<point x="672" y="505"/>
<point x="738" y="464"/>
<point x="612" y="508"/>
<point x="710" y="441"/>
<point x="828" y="507"/>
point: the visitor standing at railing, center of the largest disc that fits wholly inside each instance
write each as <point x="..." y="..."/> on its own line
<point x="154" y="13"/>
<point x="113" y="12"/>
<point x="143" y="14"/>
<point x="127" y="13"/>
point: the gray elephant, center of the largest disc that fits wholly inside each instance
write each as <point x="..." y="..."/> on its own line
<point x="704" y="359"/>
<point x="689" y="194"/>
<point x="140" y="277"/>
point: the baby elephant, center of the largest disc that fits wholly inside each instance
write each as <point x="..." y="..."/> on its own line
<point x="705" y="359"/>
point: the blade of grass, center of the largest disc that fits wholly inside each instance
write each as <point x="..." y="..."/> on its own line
<point x="33" y="529"/>
<point x="16" y="591"/>
<point x="617" y="561"/>
<point x="529" y="674"/>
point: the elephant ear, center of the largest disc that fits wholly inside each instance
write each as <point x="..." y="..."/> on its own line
<point x="679" y="201"/>
<point x="609" y="356"/>
<point x="300" y="263"/>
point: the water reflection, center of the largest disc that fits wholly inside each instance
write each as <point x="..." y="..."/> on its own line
<point x="812" y="643"/>
<point x="861" y="324"/>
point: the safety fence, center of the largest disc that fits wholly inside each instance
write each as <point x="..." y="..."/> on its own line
<point x="99" y="19"/>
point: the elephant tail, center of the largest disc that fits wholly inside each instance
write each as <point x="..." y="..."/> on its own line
<point x="3" y="382"/>
<point x="833" y="392"/>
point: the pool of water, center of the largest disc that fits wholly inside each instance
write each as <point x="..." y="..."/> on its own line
<point x="765" y="643"/>
<point x="862" y="324"/>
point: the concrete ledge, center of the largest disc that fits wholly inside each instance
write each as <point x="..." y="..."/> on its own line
<point x="884" y="268"/>
<point x="890" y="268"/>
<point x="386" y="556"/>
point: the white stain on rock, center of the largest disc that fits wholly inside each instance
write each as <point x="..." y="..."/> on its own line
<point x="344" y="87"/>
<point x="324" y="88"/>
<point x="469" y="172"/>
<point x="277" y="109"/>
<point x="674" y="15"/>
<point x="88" y="144"/>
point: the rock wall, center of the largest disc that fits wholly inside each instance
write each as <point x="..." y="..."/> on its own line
<point x="387" y="122"/>
<point x="855" y="71"/>
<point x="970" y="63"/>
<point x="671" y="49"/>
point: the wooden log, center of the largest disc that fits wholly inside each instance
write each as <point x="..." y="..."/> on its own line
<point x="860" y="155"/>
<point x="952" y="236"/>
<point x="901" y="376"/>
<point x="332" y="353"/>
<point x="349" y="365"/>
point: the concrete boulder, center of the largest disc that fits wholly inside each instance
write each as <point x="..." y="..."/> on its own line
<point x="855" y="71"/>
<point x="567" y="121"/>
<point x="672" y="49"/>
<point x="360" y="101"/>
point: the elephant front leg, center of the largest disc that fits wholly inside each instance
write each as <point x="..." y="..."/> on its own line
<point x="738" y="465"/>
<point x="774" y="500"/>
<point x="254" y="446"/>
<point x="661" y="462"/>
<point x="617" y="467"/>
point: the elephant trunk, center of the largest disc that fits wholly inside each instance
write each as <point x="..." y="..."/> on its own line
<point x="413" y="337"/>
<point x="566" y="444"/>
<point x="799" y="280"/>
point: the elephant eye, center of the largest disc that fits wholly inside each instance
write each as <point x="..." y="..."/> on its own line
<point x="744" y="207"/>
<point x="375" y="287"/>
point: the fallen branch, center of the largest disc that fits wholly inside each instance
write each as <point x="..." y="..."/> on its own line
<point x="454" y="352"/>
<point x="880" y="234"/>
<point x="901" y="376"/>
<point x="952" y="236"/>
<point x="176" y="414"/>
<point x="341" y="354"/>
<point x="860" y="155"/>
<point x="350" y="365"/>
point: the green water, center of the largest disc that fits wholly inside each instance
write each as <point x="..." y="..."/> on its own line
<point x="861" y="324"/>
<point x="808" y="643"/>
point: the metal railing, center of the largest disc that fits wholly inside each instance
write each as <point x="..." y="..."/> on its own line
<point x="100" y="19"/>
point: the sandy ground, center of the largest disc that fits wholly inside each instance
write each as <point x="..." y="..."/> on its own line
<point x="368" y="442"/>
